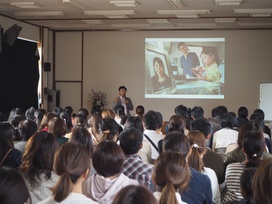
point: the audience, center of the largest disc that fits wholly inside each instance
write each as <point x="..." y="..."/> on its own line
<point x="242" y="116"/>
<point x="57" y="127"/>
<point x="110" y="129"/>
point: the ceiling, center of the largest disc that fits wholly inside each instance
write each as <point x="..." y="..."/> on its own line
<point x="144" y="15"/>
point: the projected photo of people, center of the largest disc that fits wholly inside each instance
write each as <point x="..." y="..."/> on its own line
<point x="160" y="80"/>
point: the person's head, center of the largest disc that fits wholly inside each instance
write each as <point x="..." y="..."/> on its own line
<point x="219" y="111"/>
<point x="226" y="121"/>
<point x="45" y="120"/>
<point x="140" y="110"/>
<point x="57" y="111"/>
<point x="253" y="147"/>
<point x="84" y="112"/>
<point x="246" y="183"/>
<point x="234" y="118"/>
<point x="134" y="122"/>
<point x="30" y="113"/>
<point x="95" y="121"/>
<point x="80" y="121"/>
<point x="15" y="121"/>
<point x="69" y="110"/>
<point x="202" y="125"/>
<point x="209" y="56"/>
<point x="151" y="120"/>
<point x="96" y="109"/>
<point x="72" y="164"/>
<point x="120" y="111"/>
<point x="183" y="48"/>
<point x="6" y="135"/>
<point x="171" y="173"/>
<point x="131" y="140"/>
<point x="177" y="142"/>
<point x="122" y="91"/>
<point x="262" y="183"/>
<point x="108" y="113"/>
<point x="256" y="117"/>
<point x="242" y="112"/>
<point x="27" y="128"/>
<point x="108" y="158"/>
<point x="15" y="111"/>
<point x="198" y="145"/>
<point x="182" y="110"/>
<point x="82" y="136"/>
<point x="158" y="66"/>
<point x="13" y="188"/>
<point x="39" y="113"/>
<point x="197" y="112"/>
<point x="134" y="195"/>
<point x="160" y="119"/>
<point x="176" y="123"/>
<point x="57" y="126"/>
<point x="260" y="112"/>
<point x="38" y="157"/>
<point x="67" y="119"/>
<point x="245" y="128"/>
<point x="110" y="129"/>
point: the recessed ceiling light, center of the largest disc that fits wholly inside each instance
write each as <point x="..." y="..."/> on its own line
<point x="111" y="14"/>
<point x="228" y="2"/>
<point x="157" y="21"/>
<point x="42" y="13"/>
<point x="26" y="4"/>
<point x="225" y="20"/>
<point x="124" y="3"/>
<point x="129" y="25"/>
<point x="93" y="21"/>
<point x="184" y="13"/>
<point x="255" y="12"/>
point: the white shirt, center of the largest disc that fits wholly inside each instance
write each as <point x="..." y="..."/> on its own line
<point x="224" y="137"/>
<point x="214" y="184"/>
<point x="155" y="137"/>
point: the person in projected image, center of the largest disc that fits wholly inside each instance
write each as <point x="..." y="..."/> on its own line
<point x="210" y="70"/>
<point x="188" y="60"/>
<point x="160" y="81"/>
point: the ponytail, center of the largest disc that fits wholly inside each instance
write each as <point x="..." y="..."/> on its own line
<point x="194" y="160"/>
<point x="168" y="194"/>
<point x="63" y="187"/>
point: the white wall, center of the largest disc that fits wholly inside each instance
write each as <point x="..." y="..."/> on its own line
<point x="111" y="59"/>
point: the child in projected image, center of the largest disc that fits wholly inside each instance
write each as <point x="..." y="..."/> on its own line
<point x="160" y="81"/>
<point x="210" y="71"/>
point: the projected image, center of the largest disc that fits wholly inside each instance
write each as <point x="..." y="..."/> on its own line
<point x="184" y="68"/>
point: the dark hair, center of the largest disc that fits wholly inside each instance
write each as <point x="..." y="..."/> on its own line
<point x="38" y="157"/>
<point x="13" y="189"/>
<point x="198" y="145"/>
<point x="108" y="158"/>
<point x="122" y="87"/>
<point x="39" y="113"/>
<point x="202" y="125"/>
<point x="151" y="120"/>
<point x="246" y="183"/>
<point x="256" y="117"/>
<point x="197" y="112"/>
<point x="109" y="129"/>
<point x="171" y="173"/>
<point x="69" y="110"/>
<point x="67" y="119"/>
<point x="134" y="195"/>
<point x="95" y="122"/>
<point x="177" y="142"/>
<point x="96" y="109"/>
<point x="176" y="122"/>
<point x="247" y="127"/>
<point x="181" y="110"/>
<point x="181" y="43"/>
<point x="135" y="122"/>
<point x="160" y="119"/>
<point x="28" y="128"/>
<point x="82" y="136"/>
<point x="242" y="112"/>
<point x="211" y="51"/>
<point x="57" y="111"/>
<point x="260" y="112"/>
<point x="57" y="126"/>
<point x="30" y="113"/>
<point x="15" y="121"/>
<point x="6" y="141"/>
<point x="84" y="112"/>
<point x="45" y="120"/>
<point x="226" y="121"/>
<point x="120" y="111"/>
<point x="262" y="183"/>
<point x="131" y="140"/>
<point x="219" y="111"/>
<point x="160" y="62"/>
<point x="140" y="110"/>
<point x="80" y="121"/>
<point x="71" y="162"/>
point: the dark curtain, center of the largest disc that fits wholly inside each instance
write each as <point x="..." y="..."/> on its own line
<point x="19" y="76"/>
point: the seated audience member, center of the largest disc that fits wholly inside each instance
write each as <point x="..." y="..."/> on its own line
<point x="226" y="136"/>
<point x="198" y="145"/>
<point x="39" y="113"/>
<point x="215" y="123"/>
<point x="242" y="116"/>
<point x="246" y="185"/>
<point x="120" y="116"/>
<point x="72" y="164"/>
<point x="26" y="128"/>
<point x="14" y="112"/>
<point x="67" y="120"/>
<point x="13" y="189"/>
<point x="79" y="122"/>
<point x="15" y="121"/>
<point x="103" y="186"/>
<point x="262" y="183"/>
<point x="134" y="195"/>
<point x="145" y="151"/>
<point x="197" y="112"/>
<point x="9" y="156"/>
<point x="108" y="113"/>
<point x="151" y="126"/>
<point x="234" y="120"/>
<point x="110" y="129"/>
<point x="30" y="114"/>
<point x="131" y="142"/>
<point x="266" y="129"/>
<point x="253" y="147"/>
<point x="57" y="127"/>
<point x="211" y="159"/>
<point x="171" y="174"/>
<point x="140" y="111"/>
<point x="45" y="120"/>
<point x="199" y="187"/>
<point x="84" y="112"/>
<point x="186" y="113"/>
<point x="94" y="127"/>
<point x="57" y="110"/>
<point x="237" y="155"/>
<point x="37" y="165"/>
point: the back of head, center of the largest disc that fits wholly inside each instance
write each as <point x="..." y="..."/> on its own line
<point x="69" y="110"/>
<point x="57" y="111"/>
<point x="108" y="113"/>
<point x="242" y="112"/>
<point x="82" y="136"/>
<point x="134" y="122"/>
<point x="57" y="126"/>
<point x="197" y="112"/>
<point x="171" y="173"/>
<point x="15" y="121"/>
<point x="131" y="140"/>
<point x="160" y="119"/>
<point x="6" y="135"/>
<point x="120" y="111"/>
<point x="110" y="129"/>
<point x="202" y="125"/>
<point x="177" y="142"/>
<point x="247" y="127"/>
<point x="181" y="110"/>
<point x="96" y="109"/>
<point x="84" y="112"/>
<point x="28" y="128"/>
<point x="30" y="113"/>
<point x="12" y="187"/>
<point x="134" y="195"/>
<point x="260" y="112"/>
<point x="262" y="183"/>
<point x="219" y="111"/>
<point x="177" y="123"/>
<point x="256" y="117"/>
<point x="15" y="111"/>
<point x="140" y="110"/>
<point x="71" y="162"/>
<point x="38" y="156"/>
<point x="80" y="121"/>
<point x="67" y="119"/>
<point x="151" y="120"/>
<point x="39" y="113"/>
<point x="108" y="158"/>
<point x="45" y="120"/>
<point x="226" y="121"/>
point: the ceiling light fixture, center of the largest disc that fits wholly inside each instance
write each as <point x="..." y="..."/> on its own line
<point x="26" y="5"/>
<point x="225" y="20"/>
<point x="157" y="21"/>
<point x="128" y="25"/>
<point x="176" y="4"/>
<point x="42" y="13"/>
<point x="255" y="12"/>
<point x="228" y="2"/>
<point x="73" y="4"/>
<point x="124" y="3"/>
<point x="183" y="13"/>
<point x="111" y="14"/>
<point x="93" y="21"/>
